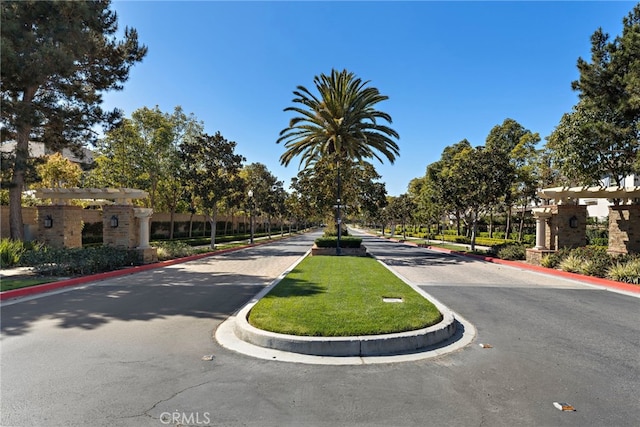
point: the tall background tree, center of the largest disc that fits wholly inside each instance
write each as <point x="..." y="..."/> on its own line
<point x="601" y="136"/>
<point x="341" y="122"/>
<point x="212" y="169"/>
<point x="57" y="58"/>
<point x="514" y="150"/>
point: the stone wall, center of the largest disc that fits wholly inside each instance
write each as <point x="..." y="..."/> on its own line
<point x="624" y="229"/>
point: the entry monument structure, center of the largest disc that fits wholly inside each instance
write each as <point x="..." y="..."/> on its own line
<point x="563" y="224"/>
<point x="123" y="224"/>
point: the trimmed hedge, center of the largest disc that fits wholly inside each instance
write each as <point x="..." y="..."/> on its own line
<point x="345" y="242"/>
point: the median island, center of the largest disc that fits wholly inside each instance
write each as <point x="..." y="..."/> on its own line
<point x="342" y="296"/>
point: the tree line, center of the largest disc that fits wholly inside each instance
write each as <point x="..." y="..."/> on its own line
<point x="335" y="132"/>
<point x="599" y="138"/>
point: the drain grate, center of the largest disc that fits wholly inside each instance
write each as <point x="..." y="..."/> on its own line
<point x="392" y="299"/>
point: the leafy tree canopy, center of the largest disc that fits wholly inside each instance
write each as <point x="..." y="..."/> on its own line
<point x="57" y="59"/>
<point x="601" y="135"/>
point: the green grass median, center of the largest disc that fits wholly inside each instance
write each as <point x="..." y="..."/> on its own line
<point x="342" y="296"/>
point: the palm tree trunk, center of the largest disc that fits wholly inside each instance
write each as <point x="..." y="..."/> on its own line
<point x="338" y="219"/>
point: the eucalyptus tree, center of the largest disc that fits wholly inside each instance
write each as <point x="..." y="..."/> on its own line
<point x="601" y="135"/>
<point x="212" y="168"/>
<point x="478" y="170"/>
<point x="401" y="209"/>
<point x="514" y="147"/>
<point x="57" y="58"/>
<point x="340" y="122"/>
<point x="262" y="183"/>
<point x="444" y="188"/>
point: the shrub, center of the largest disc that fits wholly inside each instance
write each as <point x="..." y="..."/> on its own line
<point x="331" y="230"/>
<point x="174" y="249"/>
<point x="548" y="261"/>
<point x="553" y="260"/>
<point x="78" y="261"/>
<point x="572" y="264"/>
<point x="628" y="272"/>
<point x="597" y="237"/>
<point x="511" y="251"/>
<point x="10" y="252"/>
<point x="345" y="242"/>
<point x="596" y="260"/>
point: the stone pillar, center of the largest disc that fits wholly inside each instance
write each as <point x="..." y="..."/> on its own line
<point x="568" y="227"/>
<point x="624" y="229"/>
<point x="143" y="215"/>
<point x="534" y="255"/>
<point x="147" y="253"/>
<point x="60" y="226"/>
<point x="541" y="229"/>
<point x="122" y="233"/>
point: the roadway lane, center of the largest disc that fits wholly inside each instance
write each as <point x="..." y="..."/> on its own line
<point x="127" y="352"/>
<point x="106" y="353"/>
<point x="553" y="339"/>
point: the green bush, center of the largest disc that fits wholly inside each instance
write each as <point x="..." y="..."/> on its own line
<point x="78" y="261"/>
<point x="548" y="261"/>
<point x="597" y="237"/>
<point x="345" y="242"/>
<point x="174" y="249"/>
<point x="596" y="260"/>
<point x="331" y="230"/>
<point x="628" y="272"/>
<point x="511" y="251"/>
<point x="553" y="260"/>
<point x="572" y="264"/>
<point x="10" y="252"/>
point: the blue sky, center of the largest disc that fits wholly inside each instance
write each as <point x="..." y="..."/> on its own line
<point x="451" y="70"/>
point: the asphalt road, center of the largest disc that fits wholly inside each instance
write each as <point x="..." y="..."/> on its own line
<point x="128" y="352"/>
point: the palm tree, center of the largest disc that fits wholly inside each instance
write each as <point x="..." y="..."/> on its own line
<point x="340" y="123"/>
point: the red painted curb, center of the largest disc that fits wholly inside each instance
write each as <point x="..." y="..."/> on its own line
<point x="46" y="287"/>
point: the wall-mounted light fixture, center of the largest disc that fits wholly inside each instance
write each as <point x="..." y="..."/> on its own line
<point x="573" y="222"/>
<point x="114" y="221"/>
<point x="48" y="221"/>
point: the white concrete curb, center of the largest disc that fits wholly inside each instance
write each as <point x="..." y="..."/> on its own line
<point x="237" y="334"/>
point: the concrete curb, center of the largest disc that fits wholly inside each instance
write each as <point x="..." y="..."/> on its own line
<point x="367" y="345"/>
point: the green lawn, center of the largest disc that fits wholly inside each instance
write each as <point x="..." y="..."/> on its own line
<point x="342" y="296"/>
<point x="9" y="284"/>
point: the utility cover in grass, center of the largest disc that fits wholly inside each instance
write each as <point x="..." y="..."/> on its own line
<point x="342" y="296"/>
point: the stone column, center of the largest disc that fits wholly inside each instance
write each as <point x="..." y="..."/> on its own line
<point x="541" y="215"/>
<point x="541" y="230"/>
<point x="144" y="216"/>
<point x="60" y="226"/>
<point x="147" y="253"/>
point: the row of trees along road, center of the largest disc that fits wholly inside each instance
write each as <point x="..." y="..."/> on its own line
<point x="598" y="138"/>
<point x="54" y="70"/>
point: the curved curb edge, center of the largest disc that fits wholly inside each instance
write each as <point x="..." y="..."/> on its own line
<point x="237" y="328"/>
